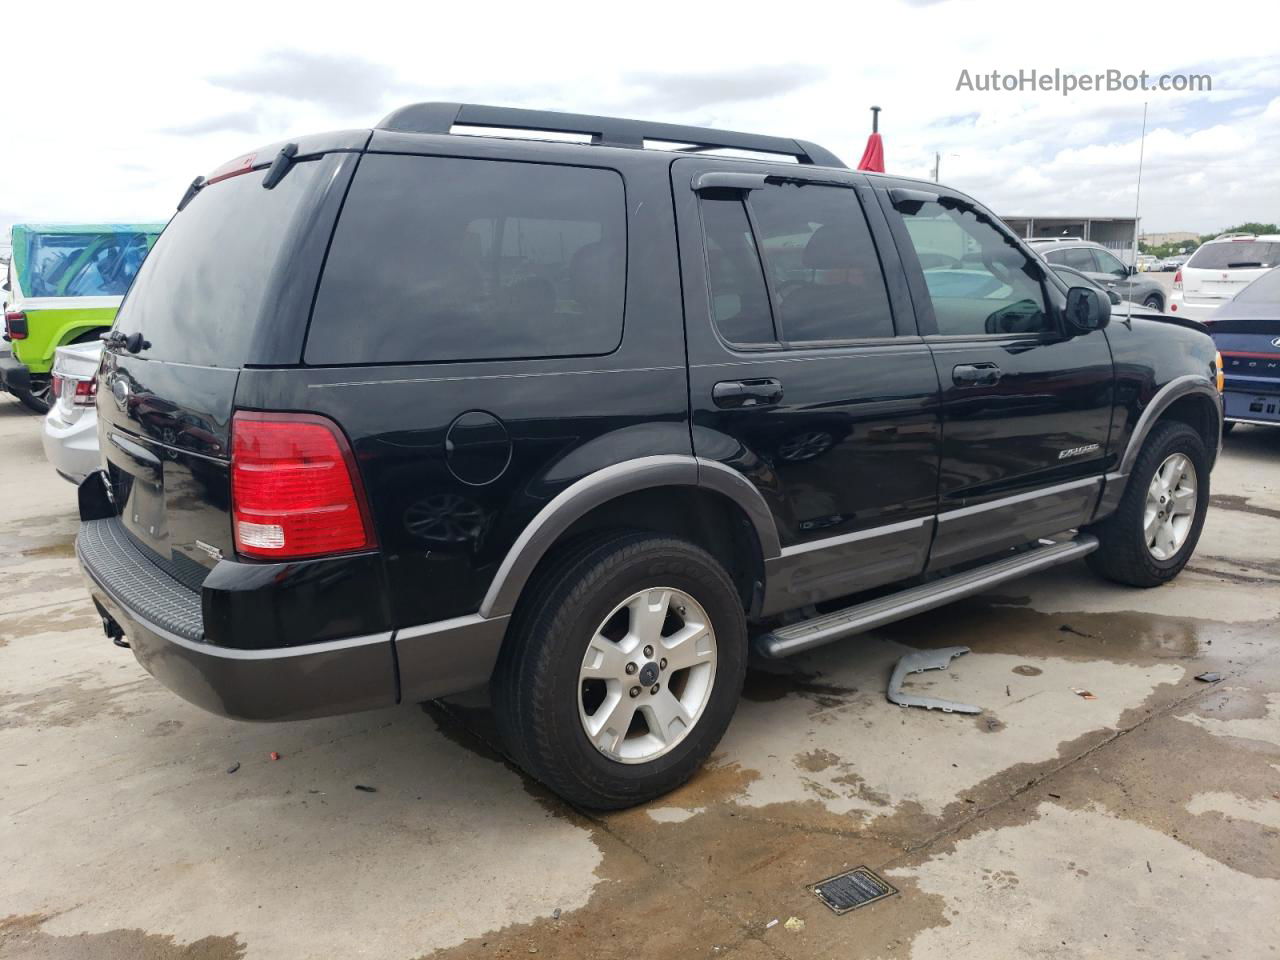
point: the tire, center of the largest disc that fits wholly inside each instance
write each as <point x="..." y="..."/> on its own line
<point x="540" y="694"/>
<point x="1154" y="302"/>
<point x="1125" y="554"/>
<point x="39" y="399"/>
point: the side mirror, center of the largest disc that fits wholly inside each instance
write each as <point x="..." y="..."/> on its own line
<point x="1087" y="309"/>
<point x="1130" y="270"/>
<point x="1113" y="297"/>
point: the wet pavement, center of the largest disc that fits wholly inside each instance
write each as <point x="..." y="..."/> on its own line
<point x="1141" y="821"/>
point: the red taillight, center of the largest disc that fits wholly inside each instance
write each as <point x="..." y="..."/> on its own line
<point x="295" y="490"/>
<point x="1177" y="280"/>
<point x="15" y="324"/>
<point x="86" y="392"/>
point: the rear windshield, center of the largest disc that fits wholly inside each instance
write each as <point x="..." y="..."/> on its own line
<point x="1266" y="289"/>
<point x="1236" y="255"/>
<point x="438" y="258"/>
<point x="201" y="291"/>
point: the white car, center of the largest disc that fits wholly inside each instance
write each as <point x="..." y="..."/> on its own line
<point x="1219" y="270"/>
<point x="71" y="425"/>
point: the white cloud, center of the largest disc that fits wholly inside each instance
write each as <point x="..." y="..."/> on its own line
<point x="122" y="104"/>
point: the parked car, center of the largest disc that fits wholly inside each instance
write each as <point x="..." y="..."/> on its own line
<point x="489" y="410"/>
<point x="71" y="425"/>
<point x="1146" y="262"/>
<point x="1105" y="269"/>
<point x="63" y="285"/>
<point x="1247" y="332"/>
<point x="1173" y="263"/>
<point x="1219" y="270"/>
<point x="1073" y="277"/>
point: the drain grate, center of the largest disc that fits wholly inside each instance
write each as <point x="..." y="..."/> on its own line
<point x="856" y="888"/>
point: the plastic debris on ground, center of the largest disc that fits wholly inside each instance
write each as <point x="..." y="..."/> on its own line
<point x="918" y="662"/>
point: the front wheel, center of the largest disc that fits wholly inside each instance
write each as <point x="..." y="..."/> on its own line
<point x="622" y="669"/>
<point x="1151" y="536"/>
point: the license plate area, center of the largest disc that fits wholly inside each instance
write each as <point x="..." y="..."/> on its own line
<point x="137" y="476"/>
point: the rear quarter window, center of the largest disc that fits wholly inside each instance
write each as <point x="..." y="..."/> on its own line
<point x="442" y="259"/>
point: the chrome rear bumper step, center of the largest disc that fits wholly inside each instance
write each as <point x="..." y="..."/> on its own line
<point x="797" y="637"/>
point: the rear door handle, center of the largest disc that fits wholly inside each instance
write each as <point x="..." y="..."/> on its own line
<point x="976" y="375"/>
<point x="746" y="393"/>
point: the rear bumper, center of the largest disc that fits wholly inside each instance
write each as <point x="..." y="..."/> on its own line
<point x="14" y="375"/>
<point x="72" y="448"/>
<point x="1247" y="406"/>
<point x="1198" y="310"/>
<point x="162" y="620"/>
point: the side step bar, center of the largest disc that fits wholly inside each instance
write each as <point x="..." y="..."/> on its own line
<point x="797" y="637"/>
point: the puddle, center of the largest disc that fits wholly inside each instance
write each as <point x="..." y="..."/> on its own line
<point x="23" y="937"/>
<point x="1049" y="888"/>
<point x="866" y="757"/>
<point x="1265" y="729"/>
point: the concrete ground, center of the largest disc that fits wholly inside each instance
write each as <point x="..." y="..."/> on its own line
<point x="1143" y="821"/>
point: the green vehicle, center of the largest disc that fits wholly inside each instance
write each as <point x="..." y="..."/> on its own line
<point x="64" y="285"/>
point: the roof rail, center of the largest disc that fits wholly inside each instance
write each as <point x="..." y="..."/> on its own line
<point x="1233" y="236"/>
<point x="607" y="131"/>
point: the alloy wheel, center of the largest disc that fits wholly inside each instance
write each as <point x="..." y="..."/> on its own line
<point x="1171" y="506"/>
<point x="647" y="675"/>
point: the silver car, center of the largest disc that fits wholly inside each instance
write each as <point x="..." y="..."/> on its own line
<point x="1105" y="269"/>
<point x="71" y="425"/>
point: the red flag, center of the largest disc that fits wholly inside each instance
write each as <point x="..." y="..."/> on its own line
<point x="873" y="156"/>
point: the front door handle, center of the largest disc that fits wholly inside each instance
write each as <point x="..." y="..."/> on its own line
<point x="976" y="375"/>
<point x="746" y="393"/>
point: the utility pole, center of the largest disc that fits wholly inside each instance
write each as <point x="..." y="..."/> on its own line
<point x="937" y="166"/>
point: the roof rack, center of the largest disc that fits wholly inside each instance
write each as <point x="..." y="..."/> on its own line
<point x="607" y="131"/>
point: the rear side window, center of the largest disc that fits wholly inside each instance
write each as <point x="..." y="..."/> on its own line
<point x="794" y="263"/>
<point x="1078" y="258"/>
<point x="438" y="258"/>
<point x="201" y="291"/>
<point x="1236" y="255"/>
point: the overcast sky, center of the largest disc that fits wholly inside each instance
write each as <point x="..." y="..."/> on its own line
<point x="111" y="109"/>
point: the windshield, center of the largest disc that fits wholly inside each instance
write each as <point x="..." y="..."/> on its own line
<point x="82" y="263"/>
<point x="1236" y="255"/>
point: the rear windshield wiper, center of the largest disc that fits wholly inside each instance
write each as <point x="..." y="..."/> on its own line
<point x="1245" y="263"/>
<point x="196" y="186"/>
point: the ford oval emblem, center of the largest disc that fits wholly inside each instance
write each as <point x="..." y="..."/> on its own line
<point x="120" y="390"/>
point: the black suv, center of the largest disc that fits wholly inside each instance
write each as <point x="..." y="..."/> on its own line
<point x="392" y="414"/>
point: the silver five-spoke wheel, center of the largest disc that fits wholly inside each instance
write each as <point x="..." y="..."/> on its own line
<point x="1171" y="506"/>
<point x="647" y="675"/>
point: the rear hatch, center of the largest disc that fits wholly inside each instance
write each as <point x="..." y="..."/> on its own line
<point x="220" y="291"/>
<point x="1222" y="268"/>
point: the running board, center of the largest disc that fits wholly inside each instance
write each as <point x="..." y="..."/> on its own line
<point x="806" y="635"/>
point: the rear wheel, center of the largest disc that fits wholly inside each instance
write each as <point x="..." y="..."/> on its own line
<point x="622" y="670"/>
<point x="1151" y="536"/>
<point x="1153" y="302"/>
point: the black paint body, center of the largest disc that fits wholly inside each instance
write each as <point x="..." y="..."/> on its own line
<point x="901" y="473"/>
